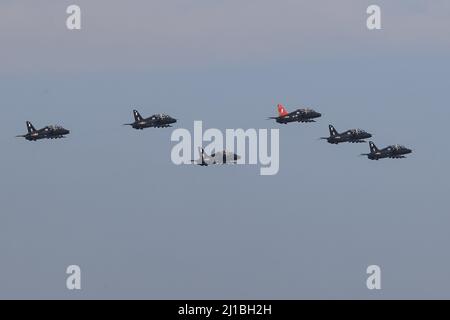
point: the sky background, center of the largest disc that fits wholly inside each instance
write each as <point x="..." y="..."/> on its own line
<point x="109" y="199"/>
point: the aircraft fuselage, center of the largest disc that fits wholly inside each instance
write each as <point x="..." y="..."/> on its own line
<point x="153" y="123"/>
<point x="351" y="136"/>
<point x="300" y="115"/>
<point x="46" y="133"/>
<point x="393" y="152"/>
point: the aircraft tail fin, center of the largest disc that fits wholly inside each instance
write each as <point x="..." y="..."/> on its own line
<point x="282" y="110"/>
<point x="373" y="147"/>
<point x="333" y="131"/>
<point x="202" y="153"/>
<point x="204" y="157"/>
<point x="137" y="116"/>
<point x="30" y="127"/>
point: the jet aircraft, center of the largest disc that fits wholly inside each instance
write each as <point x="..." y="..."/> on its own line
<point x="221" y="157"/>
<point x="393" y="152"/>
<point x="299" y="115"/>
<point x="155" y="121"/>
<point x="352" y="136"/>
<point x="49" y="132"/>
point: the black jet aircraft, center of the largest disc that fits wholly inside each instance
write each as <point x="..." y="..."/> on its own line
<point x="393" y="152"/>
<point x="299" y="115"/>
<point x="352" y="136"/>
<point x="155" y="121"/>
<point x="49" y="132"/>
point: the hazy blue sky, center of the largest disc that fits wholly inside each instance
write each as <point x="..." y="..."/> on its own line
<point x="110" y="200"/>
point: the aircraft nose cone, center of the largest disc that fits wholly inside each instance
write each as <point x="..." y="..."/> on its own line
<point x="318" y="114"/>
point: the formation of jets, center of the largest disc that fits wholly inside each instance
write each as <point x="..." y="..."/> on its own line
<point x="351" y="136"/>
<point x="226" y="157"/>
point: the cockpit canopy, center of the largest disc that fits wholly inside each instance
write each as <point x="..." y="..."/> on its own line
<point x="357" y="131"/>
<point x="161" y="116"/>
<point x="53" y="128"/>
<point x="398" y="147"/>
